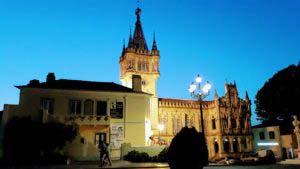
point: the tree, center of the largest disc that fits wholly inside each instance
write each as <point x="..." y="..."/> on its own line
<point x="188" y="150"/>
<point x="31" y="142"/>
<point x="278" y="99"/>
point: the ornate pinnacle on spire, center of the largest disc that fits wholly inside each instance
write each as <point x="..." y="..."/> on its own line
<point x="216" y="95"/>
<point x="246" y="96"/>
<point x="154" y="50"/>
<point x="123" y="50"/>
<point x="130" y="41"/>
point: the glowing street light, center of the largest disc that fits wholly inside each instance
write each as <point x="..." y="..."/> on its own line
<point x="200" y="92"/>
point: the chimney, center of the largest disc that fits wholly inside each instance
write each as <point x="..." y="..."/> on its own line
<point x="50" y="78"/>
<point x="136" y="83"/>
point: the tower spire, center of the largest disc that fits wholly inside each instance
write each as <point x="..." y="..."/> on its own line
<point x="154" y="50"/>
<point x="139" y="40"/>
<point x="246" y="96"/>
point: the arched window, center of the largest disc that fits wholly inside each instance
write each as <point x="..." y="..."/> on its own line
<point x="233" y="123"/>
<point x="216" y="146"/>
<point x="244" y="143"/>
<point x="89" y="107"/>
<point x="176" y="125"/>
<point x="164" y="121"/>
<point x="235" y="145"/>
<point x="226" y="145"/>
<point x="242" y="123"/>
<point x="225" y="123"/>
<point x="213" y="124"/>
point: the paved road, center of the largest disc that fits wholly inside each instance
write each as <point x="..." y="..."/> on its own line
<point x="253" y="167"/>
<point x="208" y="167"/>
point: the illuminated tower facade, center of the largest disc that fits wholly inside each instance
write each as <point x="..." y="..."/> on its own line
<point x="137" y="59"/>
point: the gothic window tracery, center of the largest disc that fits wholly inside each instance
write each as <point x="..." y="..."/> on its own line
<point x="164" y="121"/>
<point x="225" y="122"/>
<point x="176" y="124"/>
<point x="130" y="64"/>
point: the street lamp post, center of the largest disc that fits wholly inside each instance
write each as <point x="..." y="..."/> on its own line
<point x="200" y="92"/>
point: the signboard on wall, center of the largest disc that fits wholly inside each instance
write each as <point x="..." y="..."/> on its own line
<point x="116" y="110"/>
<point x="117" y="135"/>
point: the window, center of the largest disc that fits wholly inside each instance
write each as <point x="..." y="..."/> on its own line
<point x="235" y="145"/>
<point x="233" y="123"/>
<point x="244" y="143"/>
<point x="154" y="67"/>
<point x="213" y="124"/>
<point x="75" y="107"/>
<point x="139" y="65"/>
<point x="226" y="145"/>
<point x="116" y="110"/>
<point x="101" y="108"/>
<point x="242" y="123"/>
<point x="186" y="121"/>
<point x="177" y="125"/>
<point x="216" y="146"/>
<point x="89" y="107"/>
<point x="47" y="104"/>
<point x="261" y="135"/>
<point x="271" y="135"/>
<point x="225" y="123"/>
<point x="130" y="65"/>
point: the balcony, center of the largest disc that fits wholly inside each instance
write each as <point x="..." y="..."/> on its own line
<point x="78" y="119"/>
<point x="88" y="120"/>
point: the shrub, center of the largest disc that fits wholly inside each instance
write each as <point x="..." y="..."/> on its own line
<point x="31" y="142"/>
<point x="135" y="156"/>
<point x="188" y="150"/>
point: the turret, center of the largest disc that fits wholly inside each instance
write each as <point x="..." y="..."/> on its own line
<point x="154" y="50"/>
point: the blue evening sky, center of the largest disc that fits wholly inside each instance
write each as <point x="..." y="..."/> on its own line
<point x="242" y="40"/>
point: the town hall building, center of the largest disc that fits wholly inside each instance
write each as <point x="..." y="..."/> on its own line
<point x="132" y="112"/>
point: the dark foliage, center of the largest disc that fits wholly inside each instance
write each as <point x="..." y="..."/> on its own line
<point x="162" y="156"/>
<point x="30" y="142"/>
<point x="135" y="156"/>
<point x="279" y="97"/>
<point x="188" y="150"/>
<point x="269" y="158"/>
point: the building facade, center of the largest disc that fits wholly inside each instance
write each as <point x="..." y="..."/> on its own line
<point x="103" y="111"/>
<point x="271" y="137"/>
<point x="227" y="118"/>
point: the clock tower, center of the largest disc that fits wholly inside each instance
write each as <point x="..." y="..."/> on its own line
<point x="137" y="59"/>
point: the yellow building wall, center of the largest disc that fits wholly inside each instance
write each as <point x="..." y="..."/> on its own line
<point x="136" y="110"/>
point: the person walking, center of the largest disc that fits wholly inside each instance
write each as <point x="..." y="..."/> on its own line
<point x="102" y="150"/>
<point x="104" y="154"/>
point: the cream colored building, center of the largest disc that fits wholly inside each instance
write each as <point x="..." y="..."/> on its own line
<point x="271" y="137"/>
<point x="103" y="111"/>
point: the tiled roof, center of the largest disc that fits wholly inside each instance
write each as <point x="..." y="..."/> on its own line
<point x="67" y="84"/>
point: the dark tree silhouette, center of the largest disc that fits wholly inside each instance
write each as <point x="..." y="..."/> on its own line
<point x="278" y="99"/>
<point x="31" y="142"/>
<point x="188" y="150"/>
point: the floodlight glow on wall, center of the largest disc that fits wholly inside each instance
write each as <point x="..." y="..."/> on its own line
<point x="267" y="144"/>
